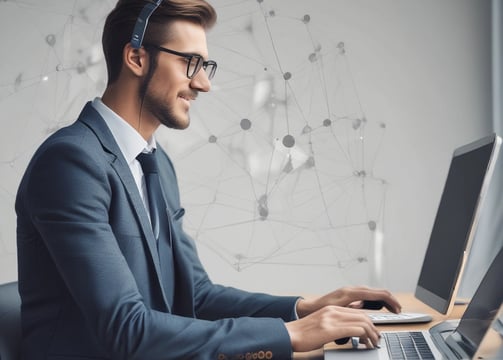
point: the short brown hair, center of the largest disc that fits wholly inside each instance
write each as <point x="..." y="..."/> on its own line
<point x="120" y="22"/>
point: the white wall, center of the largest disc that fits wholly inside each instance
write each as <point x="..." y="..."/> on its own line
<point x="418" y="72"/>
<point x="488" y="238"/>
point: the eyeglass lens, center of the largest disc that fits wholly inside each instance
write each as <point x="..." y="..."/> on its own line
<point x="196" y="63"/>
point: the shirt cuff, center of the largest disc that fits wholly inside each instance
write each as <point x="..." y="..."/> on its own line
<point x="295" y="314"/>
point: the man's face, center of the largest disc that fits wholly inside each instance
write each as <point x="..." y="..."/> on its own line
<point x="169" y="94"/>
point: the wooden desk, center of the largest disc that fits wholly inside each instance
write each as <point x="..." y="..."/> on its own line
<point x="409" y="304"/>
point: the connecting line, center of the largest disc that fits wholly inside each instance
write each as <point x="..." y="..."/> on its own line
<point x="235" y="193"/>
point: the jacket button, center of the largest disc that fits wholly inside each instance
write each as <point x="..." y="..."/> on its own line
<point x="268" y="355"/>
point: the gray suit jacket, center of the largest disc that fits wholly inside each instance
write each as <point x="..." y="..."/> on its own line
<point x="89" y="274"/>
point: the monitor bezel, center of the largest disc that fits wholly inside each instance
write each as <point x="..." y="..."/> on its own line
<point x="431" y="299"/>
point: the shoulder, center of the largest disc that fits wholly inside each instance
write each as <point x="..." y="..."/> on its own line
<point x="67" y="161"/>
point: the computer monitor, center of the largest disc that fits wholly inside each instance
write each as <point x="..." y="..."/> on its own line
<point x="467" y="181"/>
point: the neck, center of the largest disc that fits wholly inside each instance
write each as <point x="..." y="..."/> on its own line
<point x="126" y="103"/>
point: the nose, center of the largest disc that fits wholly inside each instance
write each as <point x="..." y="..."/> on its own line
<point x="200" y="81"/>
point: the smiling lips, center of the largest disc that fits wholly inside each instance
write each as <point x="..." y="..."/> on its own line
<point x="192" y="95"/>
<point x="188" y="97"/>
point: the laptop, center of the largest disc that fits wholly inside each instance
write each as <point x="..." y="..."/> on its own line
<point x="468" y="178"/>
<point x="446" y="340"/>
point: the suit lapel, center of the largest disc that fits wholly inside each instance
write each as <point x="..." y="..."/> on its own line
<point x="91" y="118"/>
<point x="184" y="278"/>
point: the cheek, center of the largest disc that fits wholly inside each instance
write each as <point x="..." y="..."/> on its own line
<point x="163" y="90"/>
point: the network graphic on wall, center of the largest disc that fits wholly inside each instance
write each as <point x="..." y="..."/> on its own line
<point x="277" y="167"/>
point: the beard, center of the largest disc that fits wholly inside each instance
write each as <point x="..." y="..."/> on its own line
<point x="158" y="107"/>
<point x="164" y="112"/>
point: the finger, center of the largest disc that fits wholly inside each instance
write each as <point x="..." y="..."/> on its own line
<point x="389" y="301"/>
<point x="354" y="309"/>
<point x="368" y="343"/>
<point x="356" y="305"/>
<point x="361" y="325"/>
<point x="367" y="335"/>
<point x="393" y="305"/>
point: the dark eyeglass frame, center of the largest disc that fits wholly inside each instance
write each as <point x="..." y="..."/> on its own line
<point x="200" y="63"/>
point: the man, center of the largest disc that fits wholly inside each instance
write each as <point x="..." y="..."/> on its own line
<point x="103" y="272"/>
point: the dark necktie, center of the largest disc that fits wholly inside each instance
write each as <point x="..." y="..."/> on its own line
<point x="159" y="218"/>
<point x="154" y="193"/>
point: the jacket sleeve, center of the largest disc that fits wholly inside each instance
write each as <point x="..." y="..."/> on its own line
<point x="214" y="301"/>
<point x="67" y="192"/>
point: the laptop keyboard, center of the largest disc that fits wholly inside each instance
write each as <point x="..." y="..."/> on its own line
<point x="407" y="345"/>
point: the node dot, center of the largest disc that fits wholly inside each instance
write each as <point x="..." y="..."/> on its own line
<point x="288" y="167"/>
<point x="289" y="141"/>
<point x="313" y="57"/>
<point x="287" y="75"/>
<point x="263" y="209"/>
<point x="306" y="19"/>
<point x="341" y="48"/>
<point x="327" y="122"/>
<point x="263" y="212"/>
<point x="81" y="68"/>
<point x="50" y="39"/>
<point x="372" y="225"/>
<point x="310" y="162"/>
<point x="212" y="139"/>
<point x="246" y="124"/>
<point x="307" y="129"/>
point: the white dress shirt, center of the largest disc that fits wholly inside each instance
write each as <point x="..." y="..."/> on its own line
<point x="130" y="142"/>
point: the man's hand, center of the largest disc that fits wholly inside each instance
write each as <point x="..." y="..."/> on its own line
<point x="331" y="323"/>
<point x="352" y="297"/>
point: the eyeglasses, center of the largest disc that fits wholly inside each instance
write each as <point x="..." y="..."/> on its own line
<point x="195" y="62"/>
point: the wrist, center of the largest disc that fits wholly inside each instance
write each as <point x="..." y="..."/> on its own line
<point x="293" y="333"/>
<point x="304" y="307"/>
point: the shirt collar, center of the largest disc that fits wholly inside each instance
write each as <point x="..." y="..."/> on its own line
<point x="130" y="142"/>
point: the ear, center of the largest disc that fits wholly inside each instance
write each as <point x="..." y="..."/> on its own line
<point x="135" y="60"/>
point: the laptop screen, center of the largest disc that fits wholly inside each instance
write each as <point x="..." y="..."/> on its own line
<point x="481" y="311"/>
<point x="468" y="178"/>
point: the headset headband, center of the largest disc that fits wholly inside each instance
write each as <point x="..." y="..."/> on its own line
<point x="141" y="23"/>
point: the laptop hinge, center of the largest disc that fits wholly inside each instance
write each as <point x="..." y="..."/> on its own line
<point x="439" y="334"/>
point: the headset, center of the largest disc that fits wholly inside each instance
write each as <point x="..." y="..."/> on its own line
<point x="141" y="23"/>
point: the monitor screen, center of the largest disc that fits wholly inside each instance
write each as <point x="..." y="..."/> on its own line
<point x="454" y="226"/>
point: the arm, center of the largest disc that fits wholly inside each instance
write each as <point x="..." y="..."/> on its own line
<point x="324" y="319"/>
<point x="214" y="301"/>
